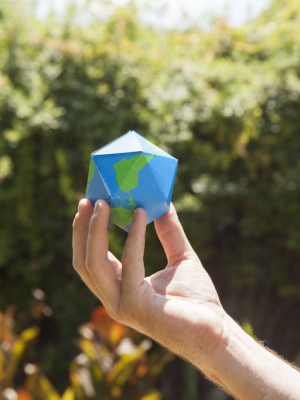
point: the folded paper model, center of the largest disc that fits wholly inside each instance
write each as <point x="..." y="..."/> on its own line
<point x="132" y="172"/>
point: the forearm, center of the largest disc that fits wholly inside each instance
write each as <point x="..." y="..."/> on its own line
<point x="228" y="356"/>
<point x="249" y="371"/>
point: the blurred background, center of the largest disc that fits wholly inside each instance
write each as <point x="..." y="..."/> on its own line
<point x="216" y="84"/>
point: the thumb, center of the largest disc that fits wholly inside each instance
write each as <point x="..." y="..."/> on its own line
<point x="133" y="270"/>
<point x="173" y="238"/>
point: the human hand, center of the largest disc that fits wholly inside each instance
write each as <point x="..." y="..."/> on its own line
<point x="177" y="306"/>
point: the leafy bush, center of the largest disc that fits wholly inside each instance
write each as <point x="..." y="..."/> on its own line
<point x="224" y="102"/>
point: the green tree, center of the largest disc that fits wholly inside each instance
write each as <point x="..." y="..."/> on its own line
<point x="224" y="102"/>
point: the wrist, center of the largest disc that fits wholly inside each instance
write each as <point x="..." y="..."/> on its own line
<point x="249" y="369"/>
<point x="230" y="357"/>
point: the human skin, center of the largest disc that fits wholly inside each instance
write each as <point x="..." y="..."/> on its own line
<point x="177" y="306"/>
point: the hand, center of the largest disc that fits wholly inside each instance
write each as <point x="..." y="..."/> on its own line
<point x="177" y="306"/>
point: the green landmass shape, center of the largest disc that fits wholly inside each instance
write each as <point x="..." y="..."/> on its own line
<point x="127" y="171"/>
<point x="121" y="216"/>
<point x="91" y="174"/>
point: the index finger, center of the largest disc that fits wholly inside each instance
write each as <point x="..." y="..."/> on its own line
<point x="98" y="264"/>
<point x="80" y="234"/>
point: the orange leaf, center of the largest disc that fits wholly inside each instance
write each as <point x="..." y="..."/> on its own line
<point x="23" y="395"/>
<point x="110" y="330"/>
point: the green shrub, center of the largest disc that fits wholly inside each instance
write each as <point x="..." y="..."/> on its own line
<point x="224" y="102"/>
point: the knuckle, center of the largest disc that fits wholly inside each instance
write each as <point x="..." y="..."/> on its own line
<point x="126" y="258"/>
<point x="127" y="310"/>
<point x="111" y="312"/>
<point x="139" y="238"/>
<point x="117" y="316"/>
<point x="123" y="310"/>
<point x="89" y="264"/>
<point x="76" y="265"/>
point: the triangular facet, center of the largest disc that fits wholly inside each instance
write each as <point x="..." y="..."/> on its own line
<point x="127" y="143"/>
<point x="158" y="212"/>
<point x="157" y="177"/>
<point x="132" y="174"/>
<point x="172" y="187"/>
<point x="148" y="147"/>
<point x="96" y="188"/>
<point x="120" y="171"/>
<point x="149" y="189"/>
<point x="129" y="170"/>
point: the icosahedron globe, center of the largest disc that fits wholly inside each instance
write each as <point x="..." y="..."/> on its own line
<point x="131" y="172"/>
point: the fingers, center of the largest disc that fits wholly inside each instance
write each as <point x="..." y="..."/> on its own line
<point x="80" y="234"/>
<point x="173" y="238"/>
<point x="133" y="271"/>
<point x="101" y="270"/>
<point x="97" y="266"/>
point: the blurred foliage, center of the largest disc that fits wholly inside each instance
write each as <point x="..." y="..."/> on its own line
<point x="114" y="363"/>
<point x="13" y="348"/>
<point x="225" y="103"/>
<point x="111" y="365"/>
<point x="16" y="350"/>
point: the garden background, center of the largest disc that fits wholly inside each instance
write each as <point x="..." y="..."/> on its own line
<point x="226" y="102"/>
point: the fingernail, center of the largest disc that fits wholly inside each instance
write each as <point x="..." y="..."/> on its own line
<point x="97" y="206"/>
